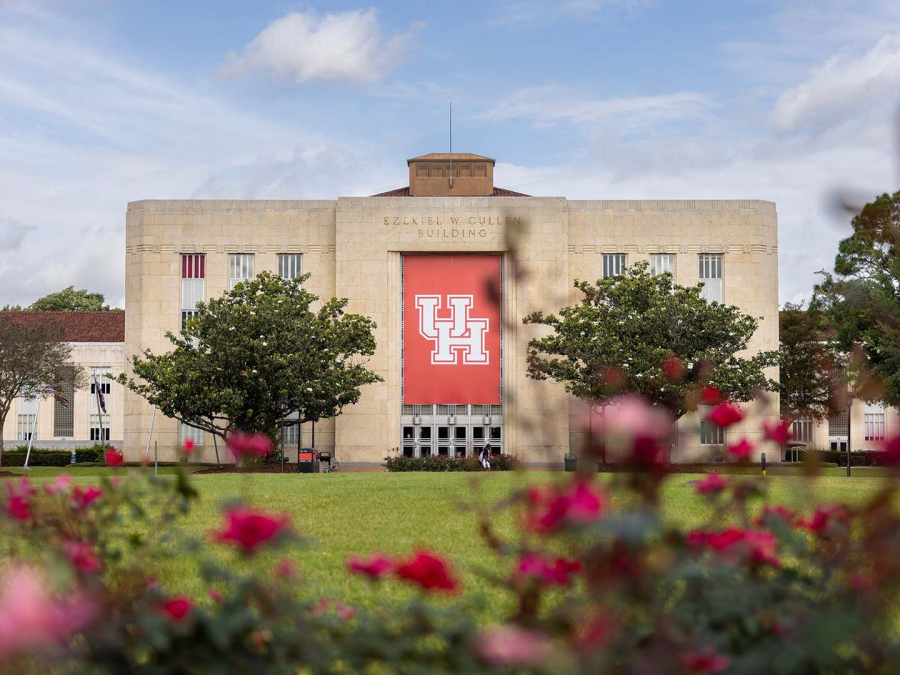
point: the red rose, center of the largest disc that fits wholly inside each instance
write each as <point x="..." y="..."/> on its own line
<point x="725" y="415"/>
<point x="706" y="661"/>
<point x="711" y="395"/>
<point x="779" y="432"/>
<point x="742" y="449"/>
<point x="82" y="556"/>
<point x="375" y="567"/>
<point x="177" y="608"/>
<point x="827" y="521"/>
<point x="114" y="457"/>
<point x="19" y="504"/>
<point x="556" y="573"/>
<point x="188" y="446"/>
<point x="578" y="504"/>
<point x="429" y="572"/>
<point x="249" y="529"/>
<point x="713" y="484"/>
<point x="82" y="497"/>
<point x="672" y="368"/>
<point x="249" y="445"/>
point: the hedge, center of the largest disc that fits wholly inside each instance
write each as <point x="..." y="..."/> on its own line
<point x="40" y="457"/>
<point x="444" y="463"/>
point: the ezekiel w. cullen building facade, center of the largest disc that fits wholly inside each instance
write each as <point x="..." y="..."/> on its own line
<point x="448" y="267"/>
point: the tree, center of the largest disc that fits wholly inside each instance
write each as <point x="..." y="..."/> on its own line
<point x="254" y="356"/>
<point x="810" y="365"/>
<point x="32" y="356"/>
<point x="66" y="300"/>
<point x="861" y="299"/>
<point x="644" y="334"/>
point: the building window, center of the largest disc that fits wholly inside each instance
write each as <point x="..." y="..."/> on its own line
<point x="613" y="264"/>
<point x="190" y="433"/>
<point x="291" y="435"/>
<point x="193" y="284"/>
<point x="63" y="412"/>
<point x="240" y="268"/>
<point x="289" y="265"/>
<point x="711" y="276"/>
<point x="802" y="430"/>
<point x="26" y="416"/>
<point x="98" y="418"/>
<point x="874" y="418"/>
<point x="710" y="434"/>
<point x="660" y="263"/>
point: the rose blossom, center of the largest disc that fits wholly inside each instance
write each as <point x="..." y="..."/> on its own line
<point x="83" y="497"/>
<point x="713" y="484"/>
<point x="178" y="607"/>
<point x="735" y="544"/>
<point x="250" y="528"/>
<point x="711" y="395"/>
<point x="629" y="430"/>
<point x="189" y="446"/>
<point x="556" y="573"/>
<point x="82" y="557"/>
<point x="706" y="661"/>
<point x="114" y="457"/>
<point x="61" y="484"/>
<point x="742" y="449"/>
<point x="778" y="432"/>
<point x="826" y="519"/>
<point x="374" y="567"/>
<point x="513" y="646"/>
<point x="725" y="415"/>
<point x="429" y="572"/>
<point x="249" y="445"/>
<point x="19" y="504"/>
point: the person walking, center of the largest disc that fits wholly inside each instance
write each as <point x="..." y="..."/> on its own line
<point x="485" y="457"/>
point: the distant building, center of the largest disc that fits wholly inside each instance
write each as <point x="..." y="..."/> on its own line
<point x="98" y="346"/>
<point x="447" y="266"/>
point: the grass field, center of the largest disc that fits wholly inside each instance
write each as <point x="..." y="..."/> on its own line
<point x="357" y="513"/>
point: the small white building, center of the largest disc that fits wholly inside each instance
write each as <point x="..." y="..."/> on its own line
<point x="98" y="347"/>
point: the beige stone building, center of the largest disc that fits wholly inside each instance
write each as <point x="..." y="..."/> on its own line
<point x="181" y="251"/>
<point x="97" y="340"/>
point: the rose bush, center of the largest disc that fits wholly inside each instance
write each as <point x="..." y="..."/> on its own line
<point x="598" y="580"/>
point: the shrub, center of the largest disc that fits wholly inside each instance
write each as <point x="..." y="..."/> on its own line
<point x="59" y="458"/>
<point x="444" y="463"/>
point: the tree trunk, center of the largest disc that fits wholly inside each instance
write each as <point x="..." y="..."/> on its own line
<point x="2" y="421"/>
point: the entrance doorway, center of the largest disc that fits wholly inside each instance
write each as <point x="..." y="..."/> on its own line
<point x="451" y="430"/>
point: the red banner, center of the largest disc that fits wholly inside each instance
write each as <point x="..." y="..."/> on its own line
<point x="451" y="329"/>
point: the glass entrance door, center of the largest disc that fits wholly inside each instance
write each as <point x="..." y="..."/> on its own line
<point x="451" y="430"/>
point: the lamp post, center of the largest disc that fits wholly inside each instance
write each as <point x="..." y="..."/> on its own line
<point x="849" y="410"/>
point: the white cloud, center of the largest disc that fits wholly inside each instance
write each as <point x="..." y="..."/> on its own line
<point x="846" y="86"/>
<point x="532" y="11"/>
<point x="551" y="104"/>
<point x="342" y="48"/>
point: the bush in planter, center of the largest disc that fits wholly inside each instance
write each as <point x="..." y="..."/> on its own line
<point x="399" y="463"/>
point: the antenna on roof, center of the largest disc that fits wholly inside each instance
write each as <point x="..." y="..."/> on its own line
<point x="451" y="145"/>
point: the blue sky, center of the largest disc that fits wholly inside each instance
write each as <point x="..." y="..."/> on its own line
<point x="106" y="101"/>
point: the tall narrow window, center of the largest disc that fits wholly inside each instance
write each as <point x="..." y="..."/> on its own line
<point x="25" y="417"/>
<point x="63" y="413"/>
<point x="660" y="263"/>
<point x="188" y="432"/>
<point x="193" y="284"/>
<point x="240" y="268"/>
<point x="710" y="434"/>
<point x="99" y="418"/>
<point x="711" y="276"/>
<point x="874" y="418"/>
<point x="289" y="265"/>
<point x="613" y="264"/>
<point x="802" y="430"/>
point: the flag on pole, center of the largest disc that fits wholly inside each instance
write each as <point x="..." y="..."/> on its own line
<point x="62" y="400"/>
<point x="101" y="401"/>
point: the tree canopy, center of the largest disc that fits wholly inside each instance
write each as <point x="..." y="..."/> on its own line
<point x="641" y="333"/>
<point x="254" y="356"/>
<point x="66" y="300"/>
<point x="861" y="299"/>
<point x="32" y="356"/>
<point x="810" y="364"/>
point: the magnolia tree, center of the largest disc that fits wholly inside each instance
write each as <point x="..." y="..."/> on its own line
<point x="32" y="356"/>
<point x="644" y="334"/>
<point x="255" y="356"/>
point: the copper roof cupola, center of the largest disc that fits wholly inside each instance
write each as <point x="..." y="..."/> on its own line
<point x="442" y="174"/>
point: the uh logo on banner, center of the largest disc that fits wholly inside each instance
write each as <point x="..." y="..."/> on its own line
<point x="451" y="329"/>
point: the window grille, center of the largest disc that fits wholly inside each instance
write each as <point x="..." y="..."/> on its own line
<point x="613" y="264"/>
<point x="839" y="424"/>
<point x="189" y="432"/>
<point x="193" y="284"/>
<point x="710" y="434"/>
<point x="661" y="263"/>
<point x="711" y="276"/>
<point x="874" y="421"/>
<point x="24" y="426"/>
<point x="289" y="265"/>
<point x="802" y="430"/>
<point x="240" y="268"/>
<point x="290" y="435"/>
<point x="64" y="415"/>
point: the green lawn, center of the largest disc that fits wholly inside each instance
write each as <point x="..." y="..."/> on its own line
<point x="356" y="513"/>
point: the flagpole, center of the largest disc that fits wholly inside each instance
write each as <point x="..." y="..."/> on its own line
<point x="99" y="408"/>
<point x="33" y="432"/>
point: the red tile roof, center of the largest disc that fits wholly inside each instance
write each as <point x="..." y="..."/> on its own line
<point x="78" y="326"/>
<point x="404" y="192"/>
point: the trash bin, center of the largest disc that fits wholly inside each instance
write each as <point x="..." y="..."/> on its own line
<point x="307" y="461"/>
<point x="571" y="462"/>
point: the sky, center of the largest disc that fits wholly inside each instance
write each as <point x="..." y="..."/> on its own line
<point x="103" y="102"/>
